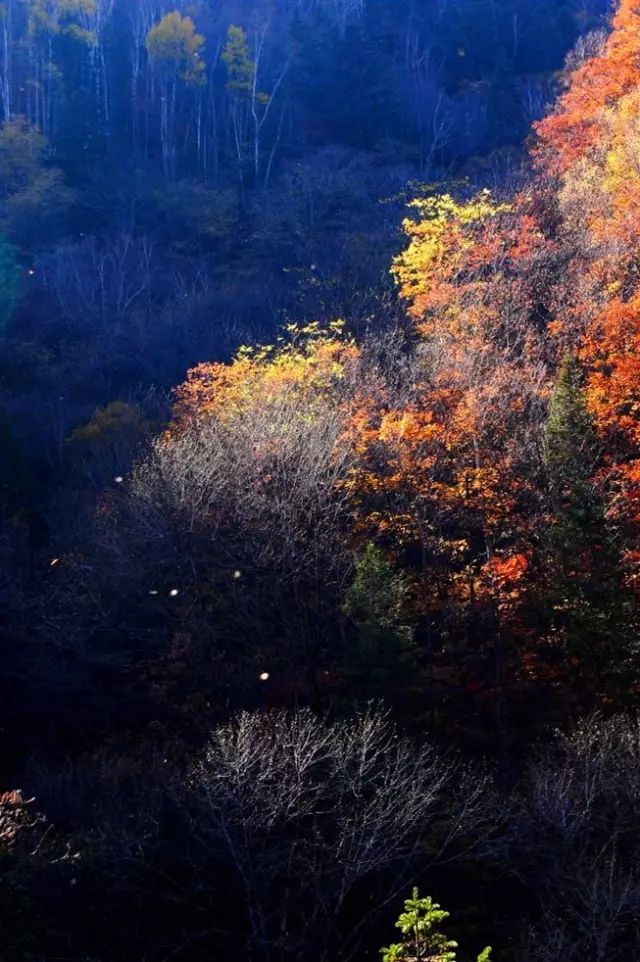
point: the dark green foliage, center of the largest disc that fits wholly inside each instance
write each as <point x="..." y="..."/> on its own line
<point x="589" y="609"/>
<point x="382" y="655"/>
<point x="571" y="444"/>
<point x="34" y="199"/>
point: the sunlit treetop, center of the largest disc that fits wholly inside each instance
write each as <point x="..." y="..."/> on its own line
<point x="306" y="362"/>
<point x="575" y="126"/>
<point x="441" y="238"/>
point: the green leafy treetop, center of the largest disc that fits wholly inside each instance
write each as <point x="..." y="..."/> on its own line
<point x="421" y="940"/>
<point x="241" y="68"/>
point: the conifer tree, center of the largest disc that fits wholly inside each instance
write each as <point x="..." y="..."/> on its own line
<point x="381" y="659"/>
<point x="421" y="939"/>
<point x="588" y="606"/>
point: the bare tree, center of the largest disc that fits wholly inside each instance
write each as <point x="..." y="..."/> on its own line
<point x="102" y="280"/>
<point x="95" y="20"/>
<point x="573" y="839"/>
<point x="260" y="494"/>
<point x="305" y="811"/>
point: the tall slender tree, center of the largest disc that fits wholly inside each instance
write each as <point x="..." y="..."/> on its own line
<point x="175" y="52"/>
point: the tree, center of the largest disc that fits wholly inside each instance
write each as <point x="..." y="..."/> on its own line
<point x="574" y="128"/>
<point x="104" y="448"/>
<point x="381" y="660"/>
<point x="306" y="811"/>
<point x="571" y="447"/>
<point x="175" y="52"/>
<point x="47" y="20"/>
<point x="23" y="152"/>
<point x="94" y="19"/>
<point x="6" y="59"/>
<point x="250" y="478"/>
<point x="572" y="840"/>
<point x="250" y="106"/>
<point x="588" y="603"/>
<point x="34" y="200"/>
<point x="422" y="942"/>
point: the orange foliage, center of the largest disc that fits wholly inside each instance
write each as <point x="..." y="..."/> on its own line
<point x="592" y="143"/>
<point x="307" y="364"/>
<point x="499" y="293"/>
<point x="576" y="125"/>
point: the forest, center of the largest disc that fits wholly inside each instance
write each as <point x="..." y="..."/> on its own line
<point x="319" y="480"/>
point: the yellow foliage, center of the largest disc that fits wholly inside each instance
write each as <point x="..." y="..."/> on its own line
<point x="175" y="48"/>
<point x="61" y="17"/>
<point x="308" y="363"/>
<point x="440" y="237"/>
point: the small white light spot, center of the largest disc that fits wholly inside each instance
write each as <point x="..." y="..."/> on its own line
<point x="237" y="574"/>
<point x="154" y="592"/>
<point x="174" y="593"/>
<point x="265" y="676"/>
<point x="54" y="562"/>
<point x="31" y="272"/>
<point x="119" y="479"/>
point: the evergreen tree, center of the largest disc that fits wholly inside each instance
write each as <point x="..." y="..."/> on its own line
<point x="588" y="607"/>
<point x="421" y="940"/>
<point x="381" y="658"/>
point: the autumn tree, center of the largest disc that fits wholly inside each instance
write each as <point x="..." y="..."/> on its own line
<point x="575" y="126"/>
<point x="175" y="52"/>
<point x="249" y="481"/>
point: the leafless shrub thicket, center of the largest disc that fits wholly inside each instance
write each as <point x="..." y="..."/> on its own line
<point x="102" y="279"/>
<point x="244" y="518"/>
<point x="259" y="498"/>
<point x="305" y="810"/>
<point x="574" y="840"/>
